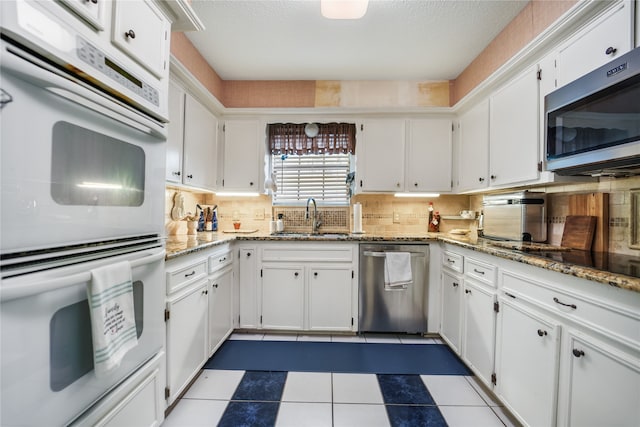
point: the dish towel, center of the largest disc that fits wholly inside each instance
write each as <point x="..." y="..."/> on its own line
<point x="113" y="324"/>
<point x="397" y="269"/>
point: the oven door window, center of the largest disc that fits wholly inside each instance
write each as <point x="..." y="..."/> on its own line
<point x="71" y="345"/>
<point x="605" y="119"/>
<point x="92" y="169"/>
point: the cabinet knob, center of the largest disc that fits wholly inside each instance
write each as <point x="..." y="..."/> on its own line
<point x="455" y="284"/>
<point x="467" y="291"/>
<point x="130" y="34"/>
<point x="295" y="274"/>
<point x="177" y="173"/>
<point x="248" y="254"/>
<point x="481" y="179"/>
<point x="190" y="176"/>
<point x="215" y="285"/>
<point x="415" y="184"/>
<point x="92" y="1"/>
<point x="205" y="292"/>
<point x="251" y="184"/>
<point x="541" y="333"/>
<point x="577" y="353"/>
<point x="315" y="274"/>
<point x="398" y="184"/>
<point x="493" y="177"/>
<point x="610" y="50"/>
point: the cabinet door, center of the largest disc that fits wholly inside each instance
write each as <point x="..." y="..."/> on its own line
<point x="513" y="130"/>
<point x="175" y="139"/>
<point x="248" y="288"/>
<point x="479" y="330"/>
<point x="330" y="301"/>
<point x="242" y="155"/>
<point x="527" y="363"/>
<point x="607" y="38"/>
<point x="473" y="165"/>
<point x="380" y="156"/>
<point x="220" y="288"/>
<point x="186" y="337"/>
<point x="142" y="31"/>
<point x="451" y="304"/>
<point x="282" y="297"/>
<point x="200" y="145"/>
<point x="602" y="384"/>
<point x="429" y="155"/>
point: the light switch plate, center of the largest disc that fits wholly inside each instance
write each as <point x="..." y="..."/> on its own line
<point x="396" y="217"/>
<point x="258" y="214"/>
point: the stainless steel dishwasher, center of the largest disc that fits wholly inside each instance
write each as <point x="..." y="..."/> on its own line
<point x="393" y="309"/>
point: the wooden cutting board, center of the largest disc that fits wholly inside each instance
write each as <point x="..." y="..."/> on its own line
<point x="593" y="204"/>
<point x="579" y="231"/>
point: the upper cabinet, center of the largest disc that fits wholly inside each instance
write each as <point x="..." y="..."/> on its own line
<point x="192" y="142"/>
<point x="395" y="155"/>
<point x="606" y="38"/>
<point x="473" y="164"/>
<point x="243" y="151"/>
<point x="513" y="130"/>
<point x="142" y="31"/>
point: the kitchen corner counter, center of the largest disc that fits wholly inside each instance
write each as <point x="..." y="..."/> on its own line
<point x="183" y="244"/>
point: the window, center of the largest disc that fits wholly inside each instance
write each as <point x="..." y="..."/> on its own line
<point x="316" y="164"/>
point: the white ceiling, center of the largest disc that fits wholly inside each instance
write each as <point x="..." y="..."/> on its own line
<point x="396" y="40"/>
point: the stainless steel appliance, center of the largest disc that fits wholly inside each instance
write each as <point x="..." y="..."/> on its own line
<point x="593" y="123"/>
<point x="515" y="216"/>
<point x="82" y="179"/>
<point x="393" y="309"/>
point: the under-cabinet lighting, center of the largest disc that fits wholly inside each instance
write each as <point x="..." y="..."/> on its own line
<point x="236" y="194"/>
<point x="427" y="195"/>
<point x="343" y="9"/>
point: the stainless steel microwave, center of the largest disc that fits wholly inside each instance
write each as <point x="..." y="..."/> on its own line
<point x="593" y="123"/>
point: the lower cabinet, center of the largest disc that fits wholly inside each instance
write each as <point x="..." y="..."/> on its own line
<point x="248" y="288"/>
<point x="527" y="350"/>
<point x="220" y="298"/>
<point x="451" y="309"/>
<point x="330" y="298"/>
<point x="282" y="297"/>
<point x="186" y="336"/>
<point x="600" y="385"/>
<point x="478" y="337"/>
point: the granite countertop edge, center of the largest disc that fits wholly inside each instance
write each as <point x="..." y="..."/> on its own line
<point x="177" y="246"/>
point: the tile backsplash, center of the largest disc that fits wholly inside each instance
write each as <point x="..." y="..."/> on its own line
<point x="388" y="215"/>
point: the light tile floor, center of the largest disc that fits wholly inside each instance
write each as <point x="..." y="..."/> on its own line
<point x="338" y="399"/>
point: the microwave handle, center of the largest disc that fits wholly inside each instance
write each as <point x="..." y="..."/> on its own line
<point x="11" y="292"/>
<point x="47" y="77"/>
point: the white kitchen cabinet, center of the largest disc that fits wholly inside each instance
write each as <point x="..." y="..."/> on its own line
<point x="527" y="348"/>
<point x="192" y="146"/>
<point x="175" y="137"/>
<point x="92" y="12"/>
<point x="380" y="156"/>
<point x="451" y="309"/>
<point x="142" y="31"/>
<point x="186" y="336"/>
<point x="478" y="330"/>
<point x="513" y="131"/>
<point x="600" y="385"/>
<point x="200" y="145"/>
<point x="429" y="155"/>
<point x="220" y="294"/>
<point x="243" y="166"/>
<point x="248" y="288"/>
<point x="608" y="37"/>
<point x="282" y="297"/>
<point x="330" y="297"/>
<point x="473" y="162"/>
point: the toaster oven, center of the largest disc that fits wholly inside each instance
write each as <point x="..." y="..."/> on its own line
<point x="515" y="216"/>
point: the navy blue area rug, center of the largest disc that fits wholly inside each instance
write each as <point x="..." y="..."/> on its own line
<point x="422" y="359"/>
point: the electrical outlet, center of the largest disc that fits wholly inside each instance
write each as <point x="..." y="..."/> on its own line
<point x="396" y="217"/>
<point x="258" y="214"/>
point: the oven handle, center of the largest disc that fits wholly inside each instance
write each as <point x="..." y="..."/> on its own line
<point x="11" y="292"/>
<point x="382" y="254"/>
<point x="29" y="68"/>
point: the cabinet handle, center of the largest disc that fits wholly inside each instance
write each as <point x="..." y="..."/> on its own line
<point x="222" y="259"/>
<point x="610" y="50"/>
<point x="478" y="271"/>
<point x="176" y="173"/>
<point x="92" y="1"/>
<point x="481" y="179"/>
<point x="190" y="274"/>
<point x="557" y="301"/>
<point x="190" y="176"/>
<point x="130" y="34"/>
<point x="450" y="261"/>
<point x="295" y="274"/>
<point x="315" y="274"/>
<point x="541" y="333"/>
<point x="577" y="353"/>
<point x="455" y="285"/>
<point x="467" y="291"/>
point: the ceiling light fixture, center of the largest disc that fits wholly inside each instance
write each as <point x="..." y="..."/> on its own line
<point x="343" y="9"/>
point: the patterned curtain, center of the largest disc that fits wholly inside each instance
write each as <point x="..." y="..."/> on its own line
<point x="332" y="138"/>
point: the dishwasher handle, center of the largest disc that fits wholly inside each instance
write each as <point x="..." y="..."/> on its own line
<point x="383" y="254"/>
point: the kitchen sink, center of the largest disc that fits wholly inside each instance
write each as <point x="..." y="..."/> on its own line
<point x="317" y="235"/>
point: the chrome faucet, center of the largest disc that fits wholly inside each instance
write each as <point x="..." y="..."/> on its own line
<point x="316" y="222"/>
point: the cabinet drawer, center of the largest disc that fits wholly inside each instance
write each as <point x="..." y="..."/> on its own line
<point x="179" y="278"/>
<point x="453" y="261"/>
<point x="219" y="260"/>
<point x="485" y="273"/>
<point x="608" y="319"/>
<point x="341" y="253"/>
